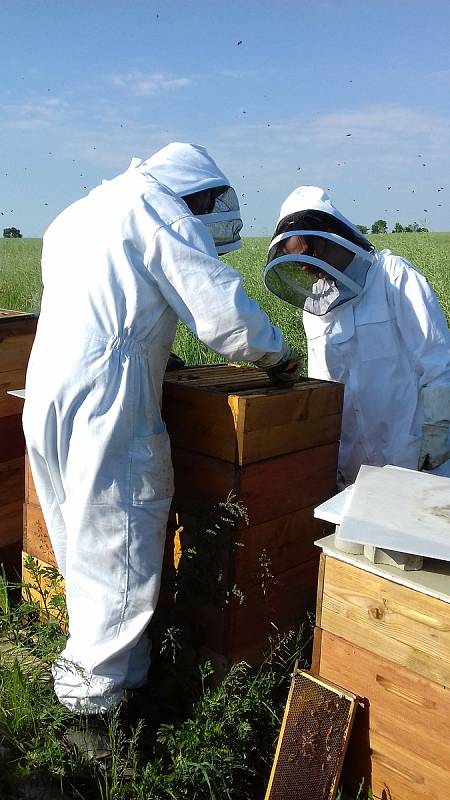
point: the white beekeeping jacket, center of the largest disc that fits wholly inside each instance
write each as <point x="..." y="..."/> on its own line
<point x="389" y="347"/>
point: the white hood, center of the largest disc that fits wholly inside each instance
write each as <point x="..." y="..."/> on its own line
<point x="312" y="198"/>
<point x="184" y="168"/>
<point x="313" y="262"/>
<point x="188" y="168"/>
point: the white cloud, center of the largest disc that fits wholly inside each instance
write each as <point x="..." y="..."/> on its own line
<point x="395" y="130"/>
<point x="148" y="85"/>
<point x="38" y="113"/>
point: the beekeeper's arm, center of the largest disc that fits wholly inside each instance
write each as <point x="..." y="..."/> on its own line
<point x="426" y="337"/>
<point x="208" y="296"/>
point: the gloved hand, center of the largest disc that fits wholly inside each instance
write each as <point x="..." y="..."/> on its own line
<point x="434" y="449"/>
<point x="174" y="362"/>
<point x="285" y="373"/>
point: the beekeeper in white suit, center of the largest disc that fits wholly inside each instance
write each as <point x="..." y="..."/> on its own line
<point x="119" y="268"/>
<point x="372" y="322"/>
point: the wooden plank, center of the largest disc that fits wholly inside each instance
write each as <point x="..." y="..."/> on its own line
<point x="400" y="775"/>
<point x="293" y="436"/>
<point x="202" y="417"/>
<point x="320" y="580"/>
<point x="283" y="543"/>
<point x="14" y="350"/>
<point x="286" y="605"/>
<point x="224" y="378"/>
<point x="30" y="489"/>
<point x="288" y="483"/>
<point x="396" y="622"/>
<point x="403" y="706"/>
<point x="36" y="539"/>
<point x="12" y="313"/>
<point x="11" y="481"/>
<point x="11" y="380"/>
<point x="306" y="401"/>
<point x="17" y="324"/>
<point x="201" y="480"/>
<point x="316" y="652"/>
<point x="11" y="523"/>
<point x="268" y="489"/>
<point x="200" y="421"/>
<point x="12" y="442"/>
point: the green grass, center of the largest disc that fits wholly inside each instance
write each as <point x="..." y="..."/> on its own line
<point x="20" y="284"/>
<point x="221" y="747"/>
<point x="211" y="742"/>
<point x="20" y="275"/>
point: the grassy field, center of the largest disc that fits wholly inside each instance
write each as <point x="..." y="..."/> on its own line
<point x="220" y="746"/>
<point x="20" y="285"/>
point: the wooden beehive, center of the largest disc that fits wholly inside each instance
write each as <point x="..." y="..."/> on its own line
<point x="386" y="638"/>
<point x="276" y="451"/>
<point x="17" y="332"/>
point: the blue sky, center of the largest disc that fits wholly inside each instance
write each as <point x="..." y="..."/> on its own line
<point x="272" y="89"/>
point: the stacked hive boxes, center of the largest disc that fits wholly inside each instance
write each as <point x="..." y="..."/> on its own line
<point x="276" y="451"/>
<point x="389" y="643"/>
<point x="16" y="338"/>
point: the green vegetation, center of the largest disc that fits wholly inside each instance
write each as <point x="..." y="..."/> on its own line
<point x="218" y="743"/>
<point x="20" y="274"/>
<point x="20" y="285"/>
<point x="205" y="740"/>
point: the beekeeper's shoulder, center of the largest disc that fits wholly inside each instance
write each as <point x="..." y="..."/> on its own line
<point x="396" y="268"/>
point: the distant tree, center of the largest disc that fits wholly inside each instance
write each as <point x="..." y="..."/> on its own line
<point x="11" y="233"/>
<point x="415" y="228"/>
<point x="398" y="228"/>
<point x="379" y="226"/>
<point x="363" y="229"/>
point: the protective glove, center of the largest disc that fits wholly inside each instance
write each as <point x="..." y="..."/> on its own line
<point x="285" y="373"/>
<point x="434" y="449"/>
<point x="174" y="362"/>
<point x="435" y="446"/>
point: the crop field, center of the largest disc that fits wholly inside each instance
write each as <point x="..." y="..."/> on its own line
<point x="20" y="285"/>
<point x="212" y="742"/>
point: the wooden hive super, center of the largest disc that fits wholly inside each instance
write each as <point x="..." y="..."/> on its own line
<point x="386" y="637"/>
<point x="276" y="451"/>
<point x="16" y="338"/>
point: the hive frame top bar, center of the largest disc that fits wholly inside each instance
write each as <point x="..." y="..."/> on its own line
<point x="9" y="315"/>
<point x="230" y="379"/>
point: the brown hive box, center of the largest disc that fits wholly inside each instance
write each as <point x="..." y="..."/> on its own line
<point x="17" y="331"/>
<point x="389" y="643"/>
<point x="276" y="451"/>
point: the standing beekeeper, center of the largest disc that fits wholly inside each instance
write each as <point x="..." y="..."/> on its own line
<point x="372" y="322"/>
<point x="119" y="268"/>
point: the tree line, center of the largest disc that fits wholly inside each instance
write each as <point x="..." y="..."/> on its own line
<point x="381" y="226"/>
<point x="11" y="233"/>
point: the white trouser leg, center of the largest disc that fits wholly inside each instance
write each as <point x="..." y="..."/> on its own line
<point x="113" y="571"/>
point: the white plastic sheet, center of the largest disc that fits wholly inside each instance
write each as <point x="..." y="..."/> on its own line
<point x="399" y="509"/>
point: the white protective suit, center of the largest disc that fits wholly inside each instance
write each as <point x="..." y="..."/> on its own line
<point x="119" y="268"/>
<point x="388" y="343"/>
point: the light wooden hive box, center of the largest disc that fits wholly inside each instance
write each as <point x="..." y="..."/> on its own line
<point x="387" y="639"/>
<point x="276" y="450"/>
<point x="17" y="331"/>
